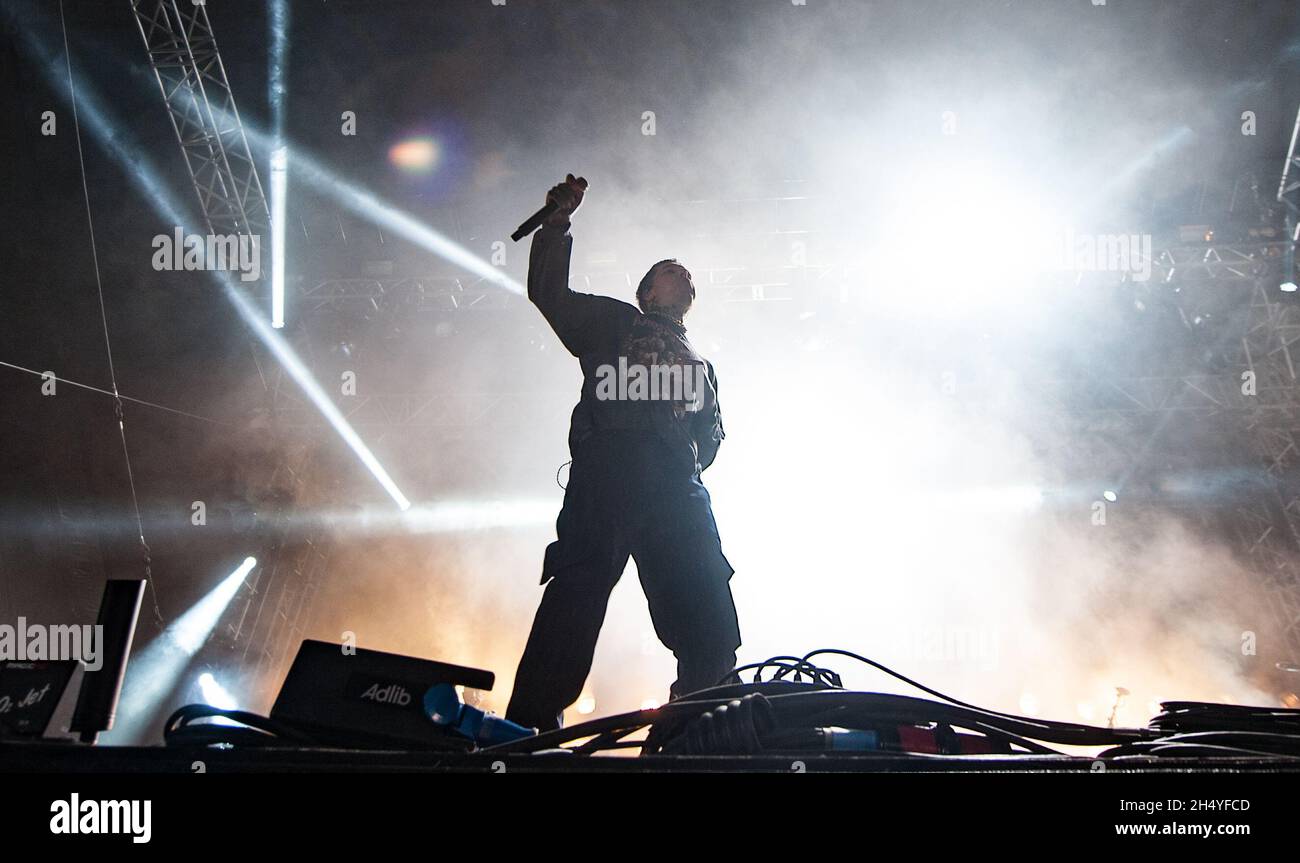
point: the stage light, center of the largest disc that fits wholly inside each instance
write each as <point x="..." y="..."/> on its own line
<point x="277" y="73"/>
<point x="455" y="516"/>
<point x="960" y="219"/>
<point x="279" y="193"/>
<point x="155" y="672"/>
<point x="144" y="172"/>
<point x="379" y="212"/>
<point x="215" y="694"/>
<point x="1015" y="498"/>
<point x="368" y="206"/>
<point x="1289" y="287"/>
<point x="277" y="62"/>
<point x="280" y="348"/>
<point x="1110" y="495"/>
<point x="193" y="627"/>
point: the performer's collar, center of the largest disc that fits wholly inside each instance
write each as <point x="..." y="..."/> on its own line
<point x="673" y="323"/>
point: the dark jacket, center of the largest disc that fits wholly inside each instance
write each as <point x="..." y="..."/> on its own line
<point x="598" y="330"/>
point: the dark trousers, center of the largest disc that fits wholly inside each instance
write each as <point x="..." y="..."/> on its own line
<point x="626" y="497"/>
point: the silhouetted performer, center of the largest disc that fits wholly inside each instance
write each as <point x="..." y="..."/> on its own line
<point x="634" y="483"/>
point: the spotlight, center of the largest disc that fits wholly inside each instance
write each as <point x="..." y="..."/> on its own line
<point x="216" y="695"/>
<point x="279" y="191"/>
<point x="192" y="629"/>
<point x="1288" y="287"/>
<point x="100" y="124"/>
<point x="158" y="669"/>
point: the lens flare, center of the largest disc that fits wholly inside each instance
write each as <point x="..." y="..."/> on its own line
<point x="415" y="155"/>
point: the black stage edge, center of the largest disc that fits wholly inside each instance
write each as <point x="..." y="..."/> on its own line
<point x="42" y="757"/>
<point x="330" y="799"/>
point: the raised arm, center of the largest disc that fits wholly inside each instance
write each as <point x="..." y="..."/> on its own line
<point x="578" y="319"/>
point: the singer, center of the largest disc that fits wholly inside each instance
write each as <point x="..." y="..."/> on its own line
<point x="634" y="484"/>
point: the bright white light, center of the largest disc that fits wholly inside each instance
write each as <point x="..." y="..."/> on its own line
<point x="279" y="194"/>
<point x="1288" y="286"/>
<point x="215" y="694"/>
<point x="144" y="173"/>
<point x="324" y="404"/>
<point x="448" y="516"/>
<point x="587" y="704"/>
<point x="960" y="237"/>
<point x="1029" y="704"/>
<point x="1110" y="495"/>
<point x="366" y="205"/>
<point x="1014" y="498"/>
<point x="193" y="627"/>
<point x="650" y="704"/>
<point x="156" y="671"/>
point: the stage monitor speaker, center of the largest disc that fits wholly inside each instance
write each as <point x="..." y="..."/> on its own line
<point x="368" y="698"/>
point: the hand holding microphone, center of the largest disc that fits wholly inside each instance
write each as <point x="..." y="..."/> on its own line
<point x="561" y="201"/>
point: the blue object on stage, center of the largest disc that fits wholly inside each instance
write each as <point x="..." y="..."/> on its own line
<point x="444" y="707"/>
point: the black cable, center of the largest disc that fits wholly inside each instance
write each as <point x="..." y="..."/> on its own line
<point x="821" y="675"/>
<point x="735" y="728"/>
<point x="1043" y="723"/>
<point x="181" y="728"/>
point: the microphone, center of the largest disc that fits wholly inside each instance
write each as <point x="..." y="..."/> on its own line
<point x="533" y="222"/>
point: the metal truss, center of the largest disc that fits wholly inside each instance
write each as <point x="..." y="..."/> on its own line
<point x="1117" y="415"/>
<point x="1264" y="527"/>
<point x="452" y="293"/>
<point x="271" y="616"/>
<point x="421" y="294"/>
<point x="1239" y="262"/>
<point x="276" y="608"/>
<point x="183" y="53"/>
<point x="1288" y="190"/>
<point x="1237" y="265"/>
